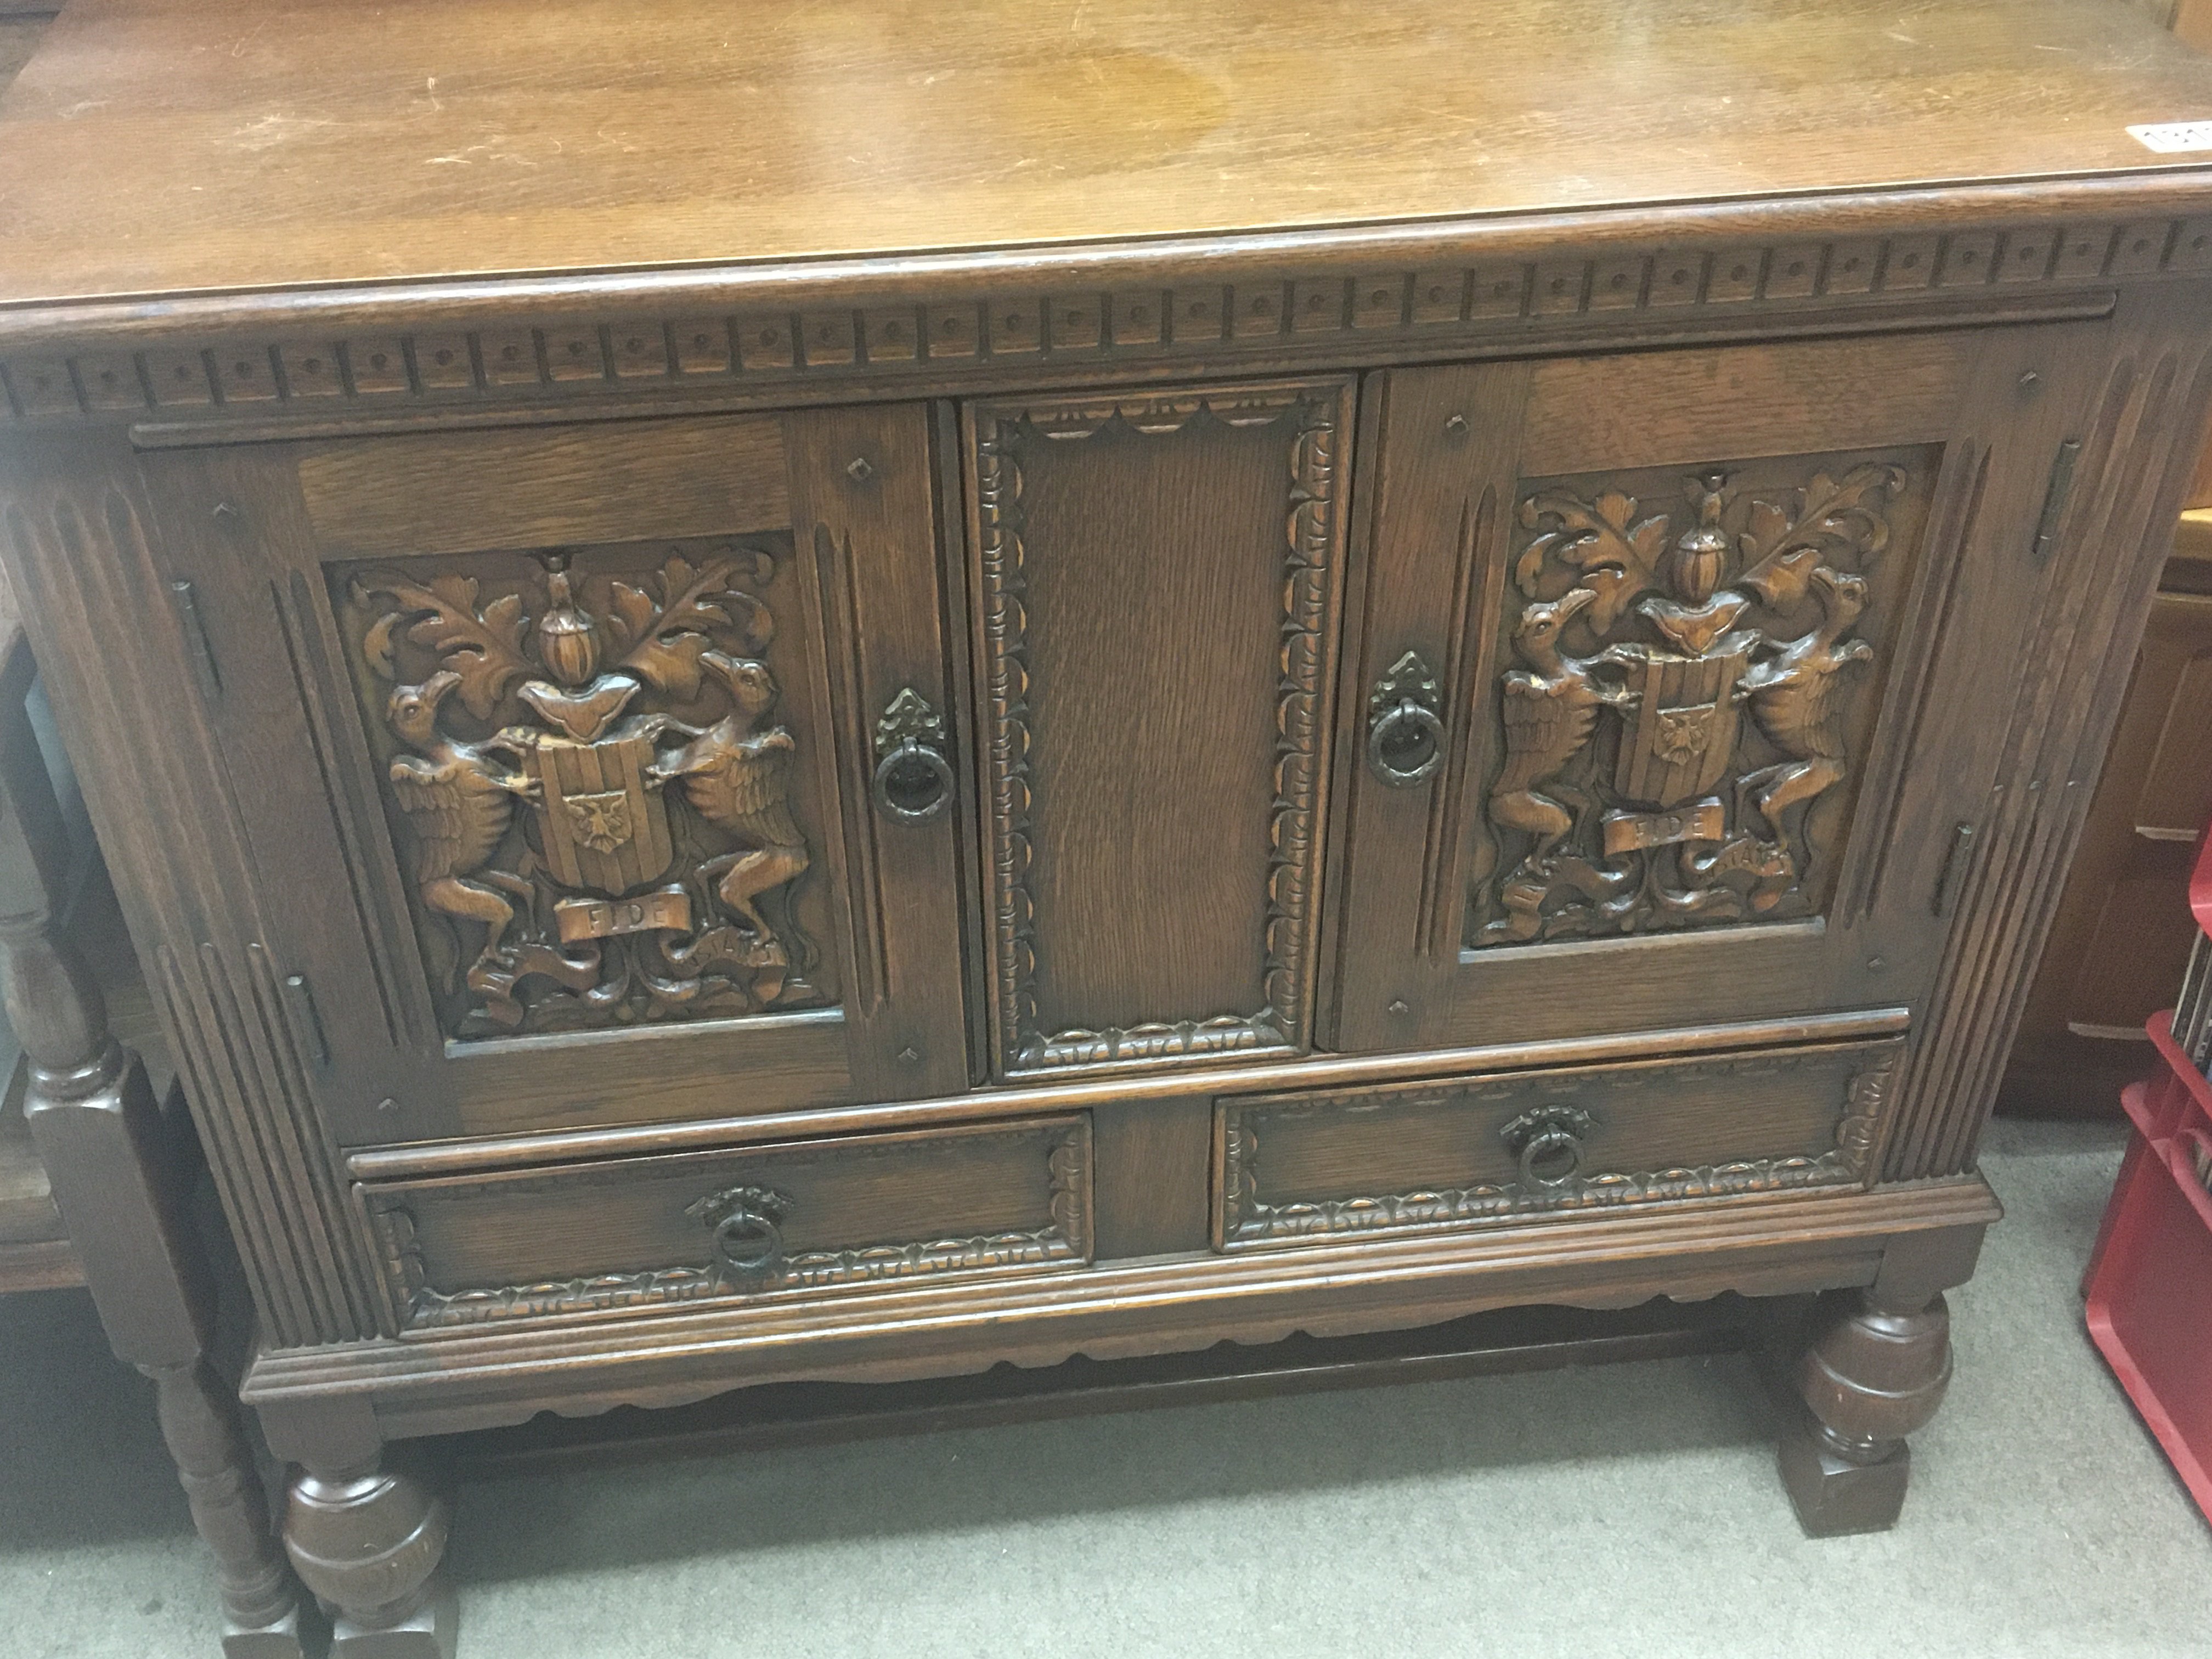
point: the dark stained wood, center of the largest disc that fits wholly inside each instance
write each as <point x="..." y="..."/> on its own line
<point x="1510" y="1340"/>
<point x="1465" y="501"/>
<point x="2064" y="683"/>
<point x="1157" y="580"/>
<point x="485" y="1375"/>
<point x="1480" y="1151"/>
<point x="866" y="525"/>
<point x="852" y="617"/>
<point x="414" y="496"/>
<point x="1687" y="410"/>
<point x="1338" y="1070"/>
<point x="2117" y="949"/>
<point x="1875" y="1373"/>
<point x="34" y="1250"/>
<point x="1153" y="1158"/>
<point x="332" y="144"/>
<point x="1241" y="740"/>
<point x="367" y="1542"/>
<point x="769" y="1221"/>
<point x="117" y="1180"/>
<point x="2122" y="935"/>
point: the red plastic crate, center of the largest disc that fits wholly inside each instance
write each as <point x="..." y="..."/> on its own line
<point x="2169" y="1093"/>
<point x="2150" y="1282"/>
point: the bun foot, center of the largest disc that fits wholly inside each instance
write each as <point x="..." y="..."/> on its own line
<point x="426" y="1633"/>
<point x="281" y="1638"/>
<point x="367" y="1543"/>
<point x="1833" y="1492"/>
<point x="1872" y="1376"/>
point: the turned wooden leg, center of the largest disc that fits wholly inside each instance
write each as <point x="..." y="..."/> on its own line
<point x="1875" y="1372"/>
<point x="261" y="1599"/>
<point x="368" y="1542"/>
<point x="121" y="1187"/>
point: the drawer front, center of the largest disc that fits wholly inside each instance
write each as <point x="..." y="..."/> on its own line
<point x="793" y="1219"/>
<point x="1487" y="1149"/>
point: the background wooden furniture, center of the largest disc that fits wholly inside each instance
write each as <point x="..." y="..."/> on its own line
<point x="2117" y="948"/>
<point x="95" y="1178"/>
<point x="992" y="736"/>
<point x="92" y="1088"/>
<point x="2123" y="933"/>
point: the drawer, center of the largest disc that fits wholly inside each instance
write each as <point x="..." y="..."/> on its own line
<point x="1427" y="1155"/>
<point x="793" y="1219"/>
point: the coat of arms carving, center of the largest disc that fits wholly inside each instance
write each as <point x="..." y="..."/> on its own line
<point x="1692" y="680"/>
<point x="589" y="785"/>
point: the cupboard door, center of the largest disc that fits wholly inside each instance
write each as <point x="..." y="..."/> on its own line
<point x="597" y="773"/>
<point x="1676" y="698"/>
<point x="1156" y="579"/>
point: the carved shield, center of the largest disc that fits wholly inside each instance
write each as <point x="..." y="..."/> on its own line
<point x="603" y="830"/>
<point x="1681" y="729"/>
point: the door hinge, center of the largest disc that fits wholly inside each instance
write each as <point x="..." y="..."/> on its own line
<point x="309" y="1019"/>
<point x="1955" y="869"/>
<point x="187" y="598"/>
<point x="2054" y="498"/>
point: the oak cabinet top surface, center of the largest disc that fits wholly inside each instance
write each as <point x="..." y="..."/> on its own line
<point x="178" y="146"/>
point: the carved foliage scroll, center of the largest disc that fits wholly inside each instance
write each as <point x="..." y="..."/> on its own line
<point x="1695" y="663"/>
<point x="593" y="794"/>
<point x="1306" y="419"/>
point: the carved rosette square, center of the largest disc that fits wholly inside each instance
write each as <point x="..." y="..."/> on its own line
<point x="1690" y="668"/>
<point x="589" y="785"/>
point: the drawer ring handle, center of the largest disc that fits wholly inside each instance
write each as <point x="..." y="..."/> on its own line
<point x="1548" y="1142"/>
<point x="914" y="782"/>
<point x="745" y="1227"/>
<point x="1405" y="732"/>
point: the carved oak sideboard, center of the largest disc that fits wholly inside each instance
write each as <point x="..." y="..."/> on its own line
<point x="872" y="700"/>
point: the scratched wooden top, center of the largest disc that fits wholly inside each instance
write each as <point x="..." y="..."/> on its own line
<point x="166" y="146"/>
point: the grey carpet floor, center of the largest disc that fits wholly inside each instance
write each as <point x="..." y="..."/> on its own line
<point x="1624" y="1511"/>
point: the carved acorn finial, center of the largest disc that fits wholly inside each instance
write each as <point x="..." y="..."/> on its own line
<point x="567" y="643"/>
<point x="1701" y="553"/>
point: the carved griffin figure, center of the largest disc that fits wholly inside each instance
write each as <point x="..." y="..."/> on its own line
<point x="1550" y="709"/>
<point x="739" y="779"/>
<point x="1661" y="817"/>
<point x="1797" y="698"/>
<point x="459" y="801"/>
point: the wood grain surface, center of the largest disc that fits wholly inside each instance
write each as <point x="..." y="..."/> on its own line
<point x="250" y="146"/>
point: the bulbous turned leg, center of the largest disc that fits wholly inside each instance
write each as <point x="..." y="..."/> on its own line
<point x="1872" y="1376"/>
<point x="367" y="1543"/>
<point x="260" y="1602"/>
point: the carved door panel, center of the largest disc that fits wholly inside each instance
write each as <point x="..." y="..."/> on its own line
<point x="1664" y="713"/>
<point x="601" y="773"/>
<point x="1157" y="579"/>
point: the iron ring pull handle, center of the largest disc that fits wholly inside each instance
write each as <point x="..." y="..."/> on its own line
<point x="745" y="1229"/>
<point x="914" y="782"/>
<point x="1405" y="732"/>
<point x="1549" y="1143"/>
